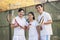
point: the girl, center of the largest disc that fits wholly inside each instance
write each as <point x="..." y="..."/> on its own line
<point x="33" y="35"/>
<point x="19" y="23"/>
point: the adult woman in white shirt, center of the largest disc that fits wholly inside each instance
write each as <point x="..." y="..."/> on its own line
<point x="33" y="34"/>
<point x="19" y="23"/>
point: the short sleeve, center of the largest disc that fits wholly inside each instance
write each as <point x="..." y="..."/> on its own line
<point x="49" y="17"/>
<point x="13" y="21"/>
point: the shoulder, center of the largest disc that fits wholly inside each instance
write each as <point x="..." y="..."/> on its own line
<point x="35" y="21"/>
<point x="16" y="17"/>
<point x="46" y="13"/>
<point x="24" y="18"/>
<point x="38" y="16"/>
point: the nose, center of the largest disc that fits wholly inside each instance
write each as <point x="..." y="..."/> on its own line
<point x="38" y="9"/>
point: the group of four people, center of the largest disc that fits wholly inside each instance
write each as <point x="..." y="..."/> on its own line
<point x="38" y="30"/>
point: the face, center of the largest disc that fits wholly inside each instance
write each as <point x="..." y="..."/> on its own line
<point x="30" y="16"/>
<point x="21" y="13"/>
<point x="39" y="9"/>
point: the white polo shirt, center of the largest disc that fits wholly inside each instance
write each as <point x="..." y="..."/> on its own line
<point x="46" y="29"/>
<point x="19" y="31"/>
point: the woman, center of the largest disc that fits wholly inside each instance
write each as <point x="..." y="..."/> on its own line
<point x="19" y="23"/>
<point x="33" y="34"/>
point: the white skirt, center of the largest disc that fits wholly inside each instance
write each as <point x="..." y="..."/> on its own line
<point x="19" y="38"/>
<point x="33" y="38"/>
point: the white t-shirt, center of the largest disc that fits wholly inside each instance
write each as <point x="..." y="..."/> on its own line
<point x="32" y="29"/>
<point x="46" y="29"/>
<point x="19" y="31"/>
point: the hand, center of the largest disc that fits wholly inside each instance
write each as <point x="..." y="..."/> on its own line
<point x="40" y="27"/>
<point x="24" y="28"/>
<point x="16" y="25"/>
<point x="27" y="28"/>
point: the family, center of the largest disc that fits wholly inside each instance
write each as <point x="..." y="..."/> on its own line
<point x="39" y="29"/>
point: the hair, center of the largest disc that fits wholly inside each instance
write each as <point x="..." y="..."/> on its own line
<point x="32" y="14"/>
<point x="39" y="5"/>
<point x="20" y="9"/>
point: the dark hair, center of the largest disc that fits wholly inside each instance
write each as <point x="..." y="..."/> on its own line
<point x="20" y="9"/>
<point x="39" y="5"/>
<point x="32" y="14"/>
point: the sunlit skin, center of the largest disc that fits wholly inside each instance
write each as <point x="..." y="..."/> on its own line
<point x="39" y="9"/>
<point x="30" y="17"/>
<point x="20" y="14"/>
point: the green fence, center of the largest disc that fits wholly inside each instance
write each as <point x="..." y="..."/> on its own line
<point x="53" y="8"/>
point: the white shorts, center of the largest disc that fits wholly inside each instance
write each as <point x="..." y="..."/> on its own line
<point x="19" y="38"/>
<point x="46" y="37"/>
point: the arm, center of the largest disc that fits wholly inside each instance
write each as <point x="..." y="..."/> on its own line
<point x="13" y="26"/>
<point x="19" y="25"/>
<point x="49" y="19"/>
<point x="48" y="22"/>
<point x="16" y="25"/>
<point x="38" y="31"/>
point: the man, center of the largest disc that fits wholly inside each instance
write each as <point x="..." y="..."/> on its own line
<point x="46" y="28"/>
<point x="19" y="23"/>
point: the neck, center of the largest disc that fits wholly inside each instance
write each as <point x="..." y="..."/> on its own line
<point x="20" y="16"/>
<point x="41" y="12"/>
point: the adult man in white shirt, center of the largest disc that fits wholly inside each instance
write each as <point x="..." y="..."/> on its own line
<point x="46" y="28"/>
